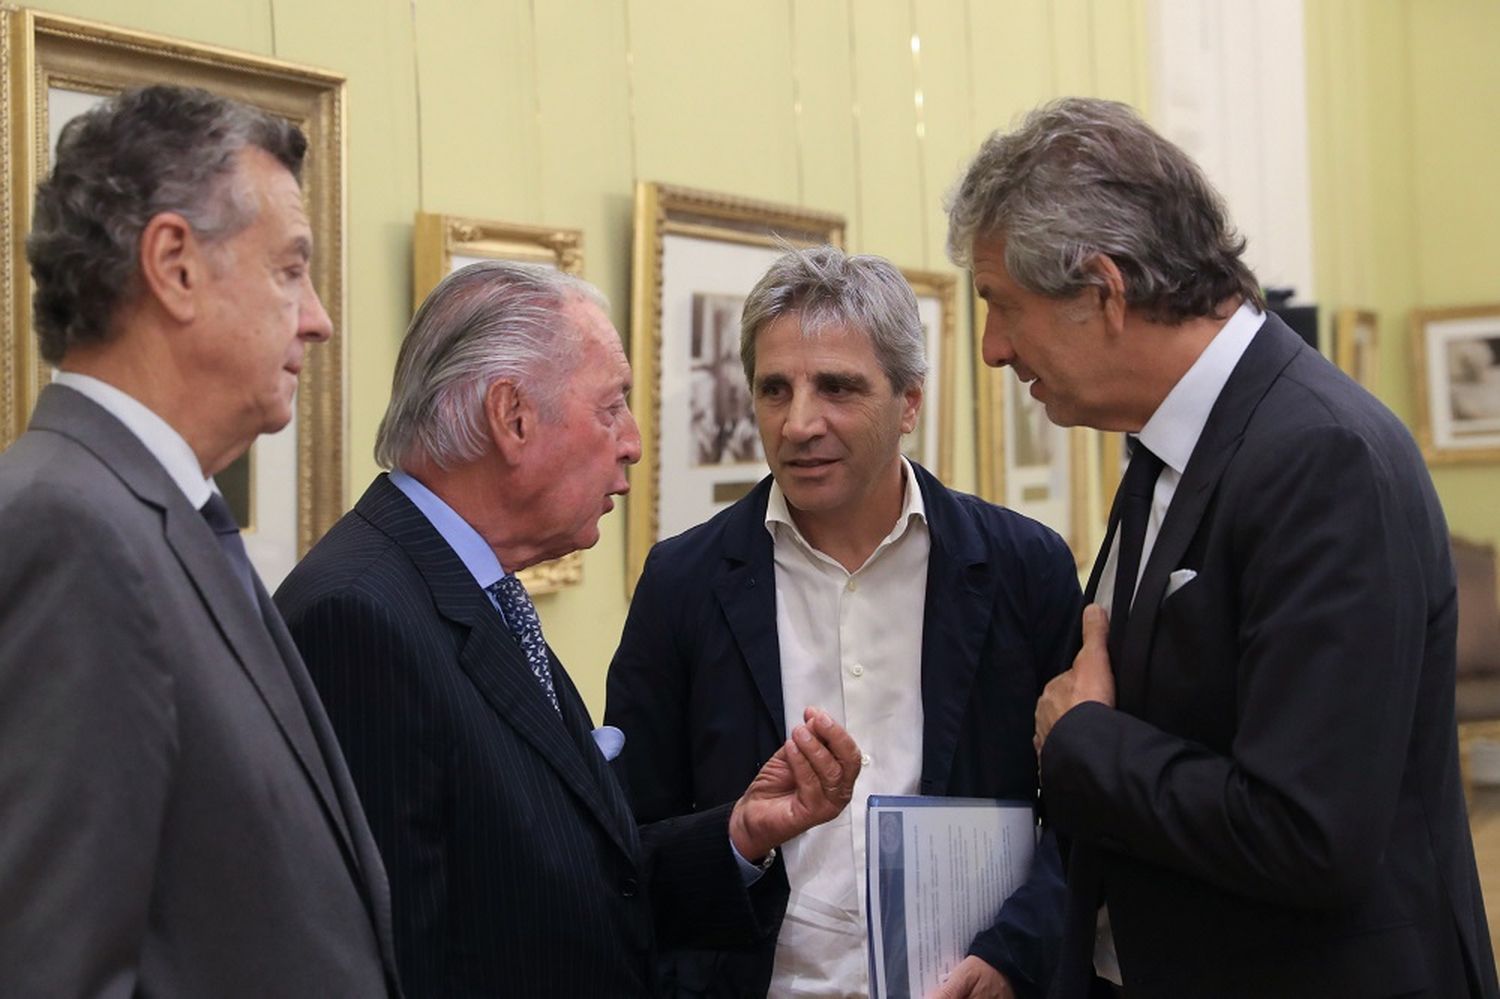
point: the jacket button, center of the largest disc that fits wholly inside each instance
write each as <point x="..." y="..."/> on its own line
<point x="628" y="887"/>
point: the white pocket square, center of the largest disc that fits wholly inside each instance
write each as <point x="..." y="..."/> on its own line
<point x="1178" y="580"/>
<point x="610" y="741"/>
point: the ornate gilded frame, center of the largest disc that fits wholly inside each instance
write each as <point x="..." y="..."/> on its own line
<point x="1072" y="449"/>
<point x="46" y="52"/>
<point x="1356" y="345"/>
<point x="938" y="293"/>
<point x="1433" y="331"/>
<point x="443" y="243"/>
<point x="747" y="233"/>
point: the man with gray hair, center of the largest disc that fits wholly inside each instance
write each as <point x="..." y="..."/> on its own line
<point x="516" y="867"/>
<point x="1253" y="757"/>
<point x="927" y="620"/>
<point x="177" y="817"/>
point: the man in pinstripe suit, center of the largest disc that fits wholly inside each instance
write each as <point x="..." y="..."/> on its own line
<point x="516" y="867"/>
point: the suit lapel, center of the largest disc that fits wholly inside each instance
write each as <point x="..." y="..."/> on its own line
<point x="746" y="591"/>
<point x="1269" y="352"/>
<point x="494" y="661"/>
<point x="960" y="587"/>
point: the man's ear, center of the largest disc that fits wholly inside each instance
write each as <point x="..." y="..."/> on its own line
<point x="510" y="418"/>
<point x="173" y="265"/>
<point x="912" y="398"/>
<point x="1111" y="289"/>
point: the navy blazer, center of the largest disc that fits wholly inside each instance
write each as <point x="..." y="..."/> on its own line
<point x="516" y="867"/>
<point x="696" y="687"/>
<point x="1275" y="808"/>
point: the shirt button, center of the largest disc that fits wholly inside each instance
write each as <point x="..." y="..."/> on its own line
<point x="857" y="669"/>
<point x="864" y="759"/>
<point x="851" y="586"/>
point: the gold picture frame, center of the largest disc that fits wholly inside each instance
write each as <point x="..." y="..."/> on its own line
<point x="1456" y="362"/>
<point x="441" y="244"/>
<point x="51" y="61"/>
<point x="1356" y="345"/>
<point x="1030" y="465"/>
<point x="931" y="443"/>
<point x="697" y="254"/>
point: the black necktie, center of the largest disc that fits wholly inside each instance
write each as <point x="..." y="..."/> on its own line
<point x="217" y="513"/>
<point x="1133" y="508"/>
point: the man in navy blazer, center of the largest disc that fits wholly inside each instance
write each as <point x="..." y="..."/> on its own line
<point x="1253" y="757"/>
<point x="515" y="865"/>
<point x="927" y="620"/>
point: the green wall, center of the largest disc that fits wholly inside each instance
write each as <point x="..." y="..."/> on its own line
<point x="1404" y="143"/>
<point x="548" y="112"/>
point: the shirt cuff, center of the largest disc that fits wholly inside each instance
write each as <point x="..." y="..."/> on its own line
<point x="751" y="873"/>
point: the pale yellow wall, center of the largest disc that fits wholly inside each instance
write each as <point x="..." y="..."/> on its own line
<point x="548" y="112"/>
<point x="1404" y="144"/>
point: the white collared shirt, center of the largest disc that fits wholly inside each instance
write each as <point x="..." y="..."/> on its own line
<point x="155" y="434"/>
<point x="850" y="643"/>
<point x="1171" y="434"/>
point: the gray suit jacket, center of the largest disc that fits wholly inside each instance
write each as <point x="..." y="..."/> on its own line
<point x="177" y="818"/>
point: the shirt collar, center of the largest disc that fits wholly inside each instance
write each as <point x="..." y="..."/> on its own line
<point x="157" y="435"/>
<point x="472" y="550"/>
<point x="1174" y="429"/>
<point x="912" y="507"/>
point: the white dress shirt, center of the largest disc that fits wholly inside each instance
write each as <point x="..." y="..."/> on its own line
<point x="850" y="643"/>
<point x="1171" y="434"/>
<point x="165" y="444"/>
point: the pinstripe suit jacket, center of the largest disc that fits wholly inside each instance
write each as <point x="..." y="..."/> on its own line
<point x="516" y="867"/>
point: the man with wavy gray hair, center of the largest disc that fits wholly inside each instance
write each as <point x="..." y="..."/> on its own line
<point x="178" y="820"/>
<point x="1253" y="756"/>
<point x="516" y="868"/>
<point x="927" y="619"/>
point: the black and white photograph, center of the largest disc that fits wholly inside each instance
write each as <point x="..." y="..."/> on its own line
<point x="1457" y="353"/>
<point x="720" y="407"/>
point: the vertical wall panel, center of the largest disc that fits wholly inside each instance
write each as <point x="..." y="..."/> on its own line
<point x="477" y="91"/>
<point x="891" y="220"/>
<point x="714" y="107"/>
<point x="1011" y="61"/>
<point x="824" y="89"/>
<point x="380" y="127"/>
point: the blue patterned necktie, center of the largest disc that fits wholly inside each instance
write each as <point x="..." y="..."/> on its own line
<point x="520" y="617"/>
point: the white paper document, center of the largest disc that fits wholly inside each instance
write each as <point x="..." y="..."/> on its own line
<point x="937" y="871"/>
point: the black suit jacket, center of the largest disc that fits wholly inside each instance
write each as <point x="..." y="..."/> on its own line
<point x="516" y="868"/>
<point x="696" y="687"/>
<point x="1275" y="807"/>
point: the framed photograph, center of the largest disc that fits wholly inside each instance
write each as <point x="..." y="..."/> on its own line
<point x="1028" y="463"/>
<point x="930" y="443"/>
<point x="441" y="244"/>
<point x="1457" y="355"/>
<point x="697" y="255"/>
<point x="1354" y="345"/>
<point x="289" y="487"/>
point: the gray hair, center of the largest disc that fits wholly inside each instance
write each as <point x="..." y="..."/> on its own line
<point x="490" y="321"/>
<point x="118" y="165"/>
<point x="1082" y="177"/>
<point x="826" y="288"/>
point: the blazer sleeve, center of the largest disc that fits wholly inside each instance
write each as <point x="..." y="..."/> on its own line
<point x="698" y="894"/>
<point x="1329" y="618"/>
<point x="1023" y="944"/>
<point x="88" y="744"/>
<point x="365" y="664"/>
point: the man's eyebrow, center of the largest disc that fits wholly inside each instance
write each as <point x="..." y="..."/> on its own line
<point x="773" y="380"/>
<point x="842" y="380"/>
<point x="301" y="245"/>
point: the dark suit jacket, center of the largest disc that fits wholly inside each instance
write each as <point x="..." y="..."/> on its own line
<point x="696" y="687"/>
<point x="516" y="868"/>
<point x="175" y="817"/>
<point x="1275" y="807"/>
